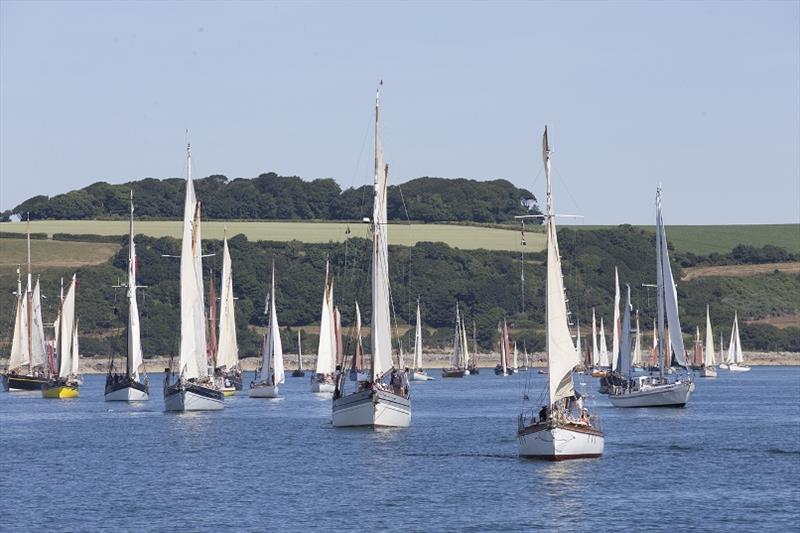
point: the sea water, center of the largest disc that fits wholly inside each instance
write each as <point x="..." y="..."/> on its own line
<point x="728" y="461"/>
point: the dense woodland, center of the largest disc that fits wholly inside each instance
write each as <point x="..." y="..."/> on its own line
<point x="274" y="197"/>
<point x="487" y="285"/>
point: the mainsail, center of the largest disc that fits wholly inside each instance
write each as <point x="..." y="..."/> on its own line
<point x="135" y="361"/>
<point x="595" y="353"/>
<point x="561" y="355"/>
<point x="735" y="355"/>
<point x="603" y="346"/>
<point x="228" y="348"/>
<point x="327" y="346"/>
<point x="709" y="355"/>
<point x="615" y="332"/>
<point x="625" y="363"/>
<point x="358" y="355"/>
<point x="272" y="357"/>
<point x="455" y="358"/>
<point x="68" y="333"/>
<point x="418" y="341"/>
<point x="193" y="362"/>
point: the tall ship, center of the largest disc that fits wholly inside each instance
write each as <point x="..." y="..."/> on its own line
<point x="132" y="385"/>
<point x="383" y="400"/>
<point x="271" y="373"/>
<point x="662" y="388"/>
<point x="192" y="387"/>
<point x="563" y="427"/>
<point x="27" y="365"/>
<point x="64" y="380"/>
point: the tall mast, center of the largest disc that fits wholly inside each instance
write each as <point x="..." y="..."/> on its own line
<point x="29" y="298"/>
<point x="659" y="286"/>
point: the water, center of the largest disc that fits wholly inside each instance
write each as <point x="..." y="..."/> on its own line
<point x="729" y="461"/>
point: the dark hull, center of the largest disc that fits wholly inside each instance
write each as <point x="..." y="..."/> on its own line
<point x="299" y="374"/>
<point x="21" y="382"/>
<point x="200" y="390"/>
<point x="126" y="382"/>
<point x="453" y="373"/>
<point x="474" y="371"/>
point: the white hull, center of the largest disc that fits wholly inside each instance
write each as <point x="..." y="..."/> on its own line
<point x="738" y="368"/>
<point x="708" y="372"/>
<point x="723" y="365"/>
<point x="670" y="395"/>
<point x="420" y="376"/>
<point x="322" y="387"/>
<point x="260" y="390"/>
<point x="372" y="409"/>
<point x="559" y="443"/>
<point x="189" y="401"/>
<point x="128" y="394"/>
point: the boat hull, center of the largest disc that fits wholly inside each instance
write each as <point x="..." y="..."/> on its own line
<point x="126" y="389"/>
<point x="560" y="442"/>
<point x="453" y="373"/>
<point x="21" y="383"/>
<point x="192" y="397"/>
<point x="60" y="391"/>
<point x="418" y="375"/>
<point x="263" y="390"/>
<point x="738" y="368"/>
<point x="372" y="408"/>
<point x="708" y="372"/>
<point x="669" y="395"/>
<point x="316" y="386"/>
<point x="298" y="374"/>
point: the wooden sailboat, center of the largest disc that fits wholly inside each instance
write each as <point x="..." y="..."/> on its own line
<point x="271" y="373"/>
<point x="597" y="372"/>
<point x="193" y="388"/>
<point x="708" y="370"/>
<point x="299" y="372"/>
<point x="472" y="366"/>
<point x="226" y="360"/>
<point x="27" y="363"/>
<point x="133" y="385"/>
<point x="735" y="355"/>
<point x="323" y="378"/>
<point x="504" y="368"/>
<point x="563" y="428"/>
<point x="377" y="402"/>
<point x="65" y="379"/>
<point x="457" y="369"/>
<point x="417" y="372"/>
<point x="637" y="349"/>
<point x="697" y="352"/>
<point x="658" y="390"/>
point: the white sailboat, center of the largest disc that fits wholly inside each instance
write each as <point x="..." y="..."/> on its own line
<point x="417" y="371"/>
<point x="708" y="370"/>
<point x="376" y="402"/>
<point x="563" y="429"/>
<point x="735" y="355"/>
<point x="133" y="385"/>
<point x="722" y="363"/>
<point x="503" y="368"/>
<point x="27" y="363"/>
<point x="615" y="332"/>
<point x="457" y="368"/>
<point x="299" y="372"/>
<point x="65" y="379"/>
<point x="637" y="349"/>
<point x="660" y="390"/>
<point x="194" y="388"/>
<point x="604" y="361"/>
<point x="596" y="370"/>
<point x="465" y="348"/>
<point x="227" y="371"/>
<point x="271" y="373"/>
<point x="323" y="378"/>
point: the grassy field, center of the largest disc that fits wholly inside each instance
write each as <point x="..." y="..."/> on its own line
<point x="736" y="271"/>
<point x="51" y="254"/>
<point x="697" y="239"/>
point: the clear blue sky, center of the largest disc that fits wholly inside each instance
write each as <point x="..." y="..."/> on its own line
<point x="703" y="97"/>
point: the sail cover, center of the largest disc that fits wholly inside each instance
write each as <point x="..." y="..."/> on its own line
<point x="228" y="347"/>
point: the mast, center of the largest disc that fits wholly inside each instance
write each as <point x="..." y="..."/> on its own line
<point x="135" y="359"/>
<point x="29" y="298"/>
<point x="381" y="328"/>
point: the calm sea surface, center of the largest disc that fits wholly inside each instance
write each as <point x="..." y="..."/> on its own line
<point x="730" y="461"/>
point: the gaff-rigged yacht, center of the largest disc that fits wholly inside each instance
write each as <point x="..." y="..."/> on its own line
<point x="133" y="385"/>
<point x="271" y="373"/>
<point x="299" y="372"/>
<point x="504" y="368"/>
<point x="64" y="379"/>
<point x="226" y="355"/>
<point x="416" y="372"/>
<point x="563" y="428"/>
<point x="323" y="378"/>
<point x="457" y="368"/>
<point x="661" y="390"/>
<point x="194" y="388"/>
<point x="708" y="370"/>
<point x="384" y="399"/>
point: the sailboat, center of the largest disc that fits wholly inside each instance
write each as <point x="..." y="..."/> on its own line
<point x="697" y="352"/>
<point x="193" y="388"/>
<point x="357" y="373"/>
<point x="563" y="428"/>
<point x="377" y="402"/>
<point x="472" y="364"/>
<point x="271" y="373"/>
<point x="596" y="370"/>
<point x="722" y="363"/>
<point x="615" y="331"/>
<point x="735" y="354"/>
<point x="133" y="385"/>
<point x="299" y="372"/>
<point x="323" y="378"/>
<point x="524" y="357"/>
<point x="603" y="363"/>
<point x="417" y="372"/>
<point x="457" y="368"/>
<point x="637" y="349"/>
<point x="504" y="367"/>
<point x="226" y="365"/>
<point x="28" y="360"/>
<point x="659" y="389"/>
<point x="708" y="370"/>
<point x="65" y="380"/>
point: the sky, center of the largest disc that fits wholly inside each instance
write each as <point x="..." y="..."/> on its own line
<point x="700" y="97"/>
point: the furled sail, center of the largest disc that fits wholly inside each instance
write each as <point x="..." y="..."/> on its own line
<point x="709" y="355"/>
<point x="228" y="347"/>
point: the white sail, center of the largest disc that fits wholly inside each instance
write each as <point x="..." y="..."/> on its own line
<point x="326" y="348"/>
<point x="464" y="344"/>
<point x="381" y="326"/>
<point x="19" y="342"/>
<point x="193" y="359"/>
<point x="603" y="346"/>
<point x="578" y="337"/>
<point x="625" y="353"/>
<point x="515" y="361"/>
<point x="135" y="357"/>
<point x="299" y="352"/>
<point x="66" y="330"/>
<point x="274" y="341"/>
<point x="595" y="353"/>
<point x="709" y="351"/>
<point x="503" y="350"/>
<point x="455" y="358"/>
<point x="615" y="332"/>
<point x="359" y="363"/>
<point x="38" y="356"/>
<point x="75" y="360"/>
<point x="735" y="355"/>
<point x="227" y="346"/>
<point x="561" y="355"/>
<point x="637" y="348"/>
<point x="418" y="341"/>
<point x="666" y="283"/>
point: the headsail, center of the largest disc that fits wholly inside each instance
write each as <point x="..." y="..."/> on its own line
<point x="709" y="355"/>
<point x="603" y="346"/>
<point x="228" y="347"/>
<point x="326" y="348"/>
<point x="67" y="330"/>
<point x="19" y="343"/>
<point x="615" y="331"/>
<point x="418" y="341"/>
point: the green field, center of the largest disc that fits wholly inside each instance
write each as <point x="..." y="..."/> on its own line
<point x="53" y="254"/>
<point x="697" y="239"/>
